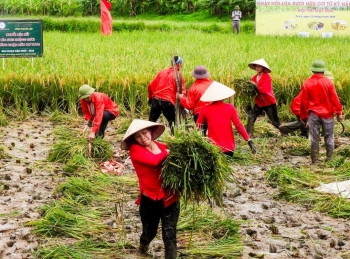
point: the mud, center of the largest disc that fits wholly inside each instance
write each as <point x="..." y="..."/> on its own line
<point x="269" y="229"/>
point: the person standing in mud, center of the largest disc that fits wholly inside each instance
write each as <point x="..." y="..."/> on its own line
<point x="156" y="203"/>
<point x="319" y="103"/>
<point x="295" y="107"/>
<point x="265" y="99"/>
<point x="195" y="92"/>
<point x="162" y="92"/>
<point x="98" y="110"/>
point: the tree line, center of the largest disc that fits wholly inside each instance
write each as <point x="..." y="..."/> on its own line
<point x="65" y="8"/>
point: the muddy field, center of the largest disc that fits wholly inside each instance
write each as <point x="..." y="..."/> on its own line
<point x="269" y="228"/>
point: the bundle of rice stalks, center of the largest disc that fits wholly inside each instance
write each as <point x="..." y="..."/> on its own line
<point x="207" y="234"/>
<point x="244" y="87"/>
<point x="79" y="163"/>
<point x="195" y="167"/>
<point x="72" y="144"/>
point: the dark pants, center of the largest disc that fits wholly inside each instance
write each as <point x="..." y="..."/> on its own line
<point x="151" y="213"/>
<point x="204" y="126"/>
<point x="107" y="116"/>
<point x="293" y="126"/>
<point x="167" y="108"/>
<point x="271" y="112"/>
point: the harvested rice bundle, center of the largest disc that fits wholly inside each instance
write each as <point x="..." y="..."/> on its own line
<point x="195" y="167"/>
<point x="70" y="144"/>
<point x="244" y="87"/>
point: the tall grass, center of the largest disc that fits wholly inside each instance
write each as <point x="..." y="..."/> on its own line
<point x="123" y="65"/>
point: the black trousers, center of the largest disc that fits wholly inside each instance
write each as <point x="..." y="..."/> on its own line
<point x="204" y="126"/>
<point x="151" y="213"/>
<point x="271" y="112"/>
<point x="107" y="116"/>
<point x="165" y="107"/>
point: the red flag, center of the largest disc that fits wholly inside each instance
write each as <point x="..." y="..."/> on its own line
<point x="106" y="18"/>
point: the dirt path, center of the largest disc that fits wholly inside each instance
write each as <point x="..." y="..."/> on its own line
<point x="27" y="181"/>
<point x="270" y="229"/>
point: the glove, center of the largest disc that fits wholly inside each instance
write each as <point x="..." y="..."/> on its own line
<point x="252" y="146"/>
<point x="89" y="123"/>
<point x="149" y="102"/>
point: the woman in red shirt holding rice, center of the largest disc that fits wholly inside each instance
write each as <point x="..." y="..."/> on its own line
<point x="155" y="203"/>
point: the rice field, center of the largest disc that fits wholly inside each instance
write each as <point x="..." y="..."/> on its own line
<point x="123" y="64"/>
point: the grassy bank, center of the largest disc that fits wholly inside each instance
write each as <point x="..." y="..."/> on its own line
<point x="123" y="64"/>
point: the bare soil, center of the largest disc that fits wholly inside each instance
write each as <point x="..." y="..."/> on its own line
<point x="269" y="229"/>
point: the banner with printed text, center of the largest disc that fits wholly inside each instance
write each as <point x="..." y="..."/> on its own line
<point x="304" y="18"/>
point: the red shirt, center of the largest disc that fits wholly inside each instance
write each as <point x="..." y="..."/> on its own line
<point x="219" y="117"/>
<point x="192" y="101"/>
<point x="148" y="167"/>
<point x="100" y="102"/>
<point x="295" y="105"/>
<point x="163" y="86"/>
<point x="265" y="89"/>
<point x="318" y="94"/>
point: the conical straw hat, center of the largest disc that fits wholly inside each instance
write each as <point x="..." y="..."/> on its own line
<point x="262" y="63"/>
<point x="136" y="125"/>
<point x="217" y="92"/>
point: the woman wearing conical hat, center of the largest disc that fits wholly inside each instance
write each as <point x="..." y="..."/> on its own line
<point x="265" y="99"/>
<point x="220" y="116"/>
<point x="156" y="204"/>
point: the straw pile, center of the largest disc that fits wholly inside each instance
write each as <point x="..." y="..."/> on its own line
<point x="197" y="169"/>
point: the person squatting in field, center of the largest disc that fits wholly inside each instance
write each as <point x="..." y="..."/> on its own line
<point x="295" y="107"/>
<point x="319" y="103"/>
<point x="156" y="203"/>
<point x="98" y="110"/>
<point x="195" y="92"/>
<point x="265" y="99"/>
<point x="162" y="92"/>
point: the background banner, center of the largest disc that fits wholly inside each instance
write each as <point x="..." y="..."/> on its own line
<point x="304" y="18"/>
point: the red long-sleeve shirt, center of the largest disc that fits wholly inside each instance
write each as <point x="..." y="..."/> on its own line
<point x="265" y="89"/>
<point x="94" y="110"/>
<point x="148" y="167"/>
<point x="219" y="117"/>
<point x="318" y="94"/>
<point x="295" y="105"/>
<point x="194" y="94"/>
<point x="163" y="86"/>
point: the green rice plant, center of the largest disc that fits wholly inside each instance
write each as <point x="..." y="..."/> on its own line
<point x="79" y="164"/>
<point x="122" y="124"/>
<point x="195" y="168"/>
<point x="210" y="235"/>
<point x="3" y="120"/>
<point x="86" y="249"/>
<point x="60" y="117"/>
<point x="297" y="185"/>
<point x="70" y="144"/>
<point x="68" y="218"/>
<point x="82" y="190"/>
<point x="295" y="146"/>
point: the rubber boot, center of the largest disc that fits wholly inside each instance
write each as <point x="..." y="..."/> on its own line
<point x="314" y="156"/>
<point x="170" y="252"/>
<point x="250" y="126"/>
<point x="329" y="155"/>
<point x="143" y="248"/>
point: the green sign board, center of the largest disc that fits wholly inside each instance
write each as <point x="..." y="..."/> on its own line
<point x="21" y="38"/>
